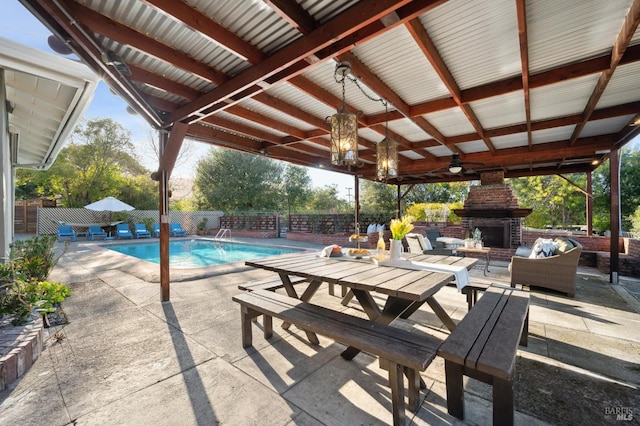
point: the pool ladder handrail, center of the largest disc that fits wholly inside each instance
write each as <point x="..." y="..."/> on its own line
<point x="222" y="232"/>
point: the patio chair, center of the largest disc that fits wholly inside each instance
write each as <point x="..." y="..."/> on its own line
<point x="556" y="271"/>
<point x="156" y="229"/>
<point x="419" y="244"/>
<point x="140" y="231"/>
<point x="122" y="231"/>
<point x="66" y="231"/>
<point x="176" y="230"/>
<point x="94" y="232"/>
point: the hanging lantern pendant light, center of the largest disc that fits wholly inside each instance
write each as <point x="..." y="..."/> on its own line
<point x="387" y="152"/>
<point x="344" y="127"/>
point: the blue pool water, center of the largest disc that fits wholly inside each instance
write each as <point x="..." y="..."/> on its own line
<point x="199" y="253"/>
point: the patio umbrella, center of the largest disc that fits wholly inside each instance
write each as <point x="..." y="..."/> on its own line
<point x="109" y="204"/>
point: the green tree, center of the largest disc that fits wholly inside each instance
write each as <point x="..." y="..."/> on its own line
<point x="446" y="192"/>
<point x="635" y="222"/>
<point x="629" y="190"/>
<point x="231" y="180"/>
<point x="327" y="199"/>
<point x="378" y="197"/>
<point x="296" y="188"/>
<point x="99" y="162"/>
<point x="553" y="200"/>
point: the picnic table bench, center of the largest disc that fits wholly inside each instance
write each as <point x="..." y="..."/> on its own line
<point x="270" y="284"/>
<point x="483" y="346"/>
<point x="405" y="352"/>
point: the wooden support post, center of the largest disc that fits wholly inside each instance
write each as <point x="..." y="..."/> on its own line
<point x="614" y="172"/>
<point x="589" y="198"/>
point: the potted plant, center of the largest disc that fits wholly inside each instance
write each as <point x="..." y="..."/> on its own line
<point x="477" y="238"/>
<point x="202" y="226"/>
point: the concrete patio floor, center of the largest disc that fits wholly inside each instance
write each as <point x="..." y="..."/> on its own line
<point x="125" y="358"/>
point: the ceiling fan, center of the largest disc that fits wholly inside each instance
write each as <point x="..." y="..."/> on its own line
<point x="456" y="166"/>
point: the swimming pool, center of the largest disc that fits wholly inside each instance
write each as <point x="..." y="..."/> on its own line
<point x="199" y="253"/>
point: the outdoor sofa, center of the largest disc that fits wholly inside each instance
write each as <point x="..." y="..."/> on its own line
<point x="557" y="271"/>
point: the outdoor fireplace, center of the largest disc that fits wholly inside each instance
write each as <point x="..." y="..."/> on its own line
<point x="493" y="208"/>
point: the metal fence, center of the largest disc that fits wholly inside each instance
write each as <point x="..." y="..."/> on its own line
<point x="50" y="218"/>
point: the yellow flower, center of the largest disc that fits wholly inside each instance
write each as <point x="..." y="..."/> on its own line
<point x="401" y="227"/>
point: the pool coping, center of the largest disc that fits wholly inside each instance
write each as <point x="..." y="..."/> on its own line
<point x="150" y="272"/>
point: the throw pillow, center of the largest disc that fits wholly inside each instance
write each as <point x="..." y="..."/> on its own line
<point x="564" y="244"/>
<point x="543" y="247"/>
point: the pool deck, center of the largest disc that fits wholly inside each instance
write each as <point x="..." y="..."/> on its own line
<point x="126" y="358"/>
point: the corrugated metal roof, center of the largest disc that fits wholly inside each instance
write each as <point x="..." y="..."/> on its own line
<point x="565" y="98"/>
<point x="605" y="127"/>
<point x="510" y="141"/>
<point x="624" y="86"/>
<point x="567" y="31"/>
<point x="552" y="135"/>
<point x="470" y="147"/>
<point x="300" y="99"/>
<point x="450" y="122"/>
<point x="477" y="40"/>
<point x="500" y="111"/>
<point x="251" y="20"/>
<point x="270" y="112"/>
<point x="408" y="129"/>
<point x="398" y="61"/>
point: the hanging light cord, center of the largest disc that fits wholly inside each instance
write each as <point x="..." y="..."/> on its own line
<point x="355" y="81"/>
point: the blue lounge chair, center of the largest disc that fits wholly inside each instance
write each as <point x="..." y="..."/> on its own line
<point x="140" y="231"/>
<point x="122" y="231"/>
<point x="66" y="231"/>
<point x="176" y="230"/>
<point x="95" y="231"/>
<point x="156" y="229"/>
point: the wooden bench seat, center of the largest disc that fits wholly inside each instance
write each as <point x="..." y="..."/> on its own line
<point x="269" y="284"/>
<point x="471" y="291"/>
<point x="404" y="351"/>
<point x="484" y="346"/>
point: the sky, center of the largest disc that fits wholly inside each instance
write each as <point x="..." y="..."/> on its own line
<point x="19" y="25"/>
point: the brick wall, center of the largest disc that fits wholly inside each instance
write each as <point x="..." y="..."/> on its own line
<point x="324" y="239"/>
<point x="632" y="247"/>
<point x="247" y="233"/>
<point x="491" y="197"/>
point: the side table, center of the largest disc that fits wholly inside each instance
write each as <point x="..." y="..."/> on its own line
<point x="485" y="250"/>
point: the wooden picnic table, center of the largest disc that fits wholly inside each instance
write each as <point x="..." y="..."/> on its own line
<point x="406" y="289"/>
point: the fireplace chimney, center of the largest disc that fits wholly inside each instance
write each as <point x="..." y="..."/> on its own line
<point x="493" y="208"/>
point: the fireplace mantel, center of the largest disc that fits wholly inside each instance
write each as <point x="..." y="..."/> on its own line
<point x="494" y="213"/>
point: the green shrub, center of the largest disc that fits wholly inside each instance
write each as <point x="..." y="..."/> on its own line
<point x="33" y="257"/>
<point x="24" y="290"/>
<point x="635" y="222"/>
<point x="436" y="210"/>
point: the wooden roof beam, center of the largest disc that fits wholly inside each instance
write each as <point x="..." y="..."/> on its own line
<point x="424" y="42"/>
<point x="378" y="86"/>
<point x="521" y="10"/>
<point x="201" y="23"/>
<point x="295" y="15"/>
<point x="84" y="44"/>
<point x="356" y="18"/>
<point x="128" y="36"/>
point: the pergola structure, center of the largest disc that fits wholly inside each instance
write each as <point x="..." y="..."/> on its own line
<point x="527" y="87"/>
